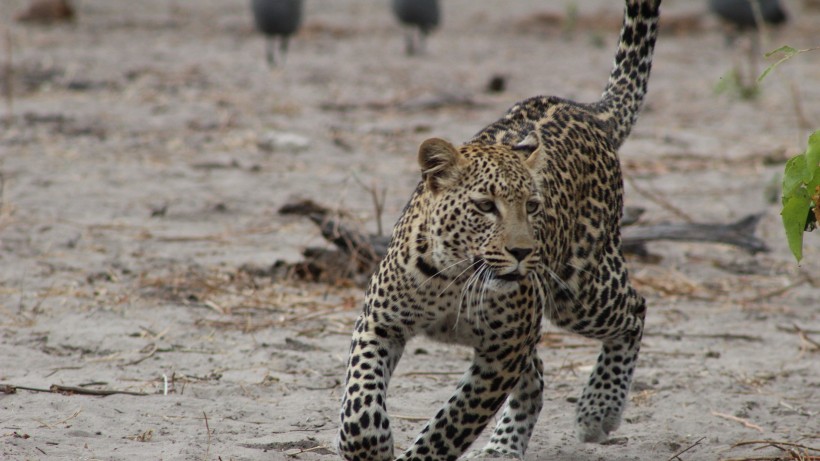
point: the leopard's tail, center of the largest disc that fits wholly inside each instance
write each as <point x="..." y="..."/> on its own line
<point x="624" y="94"/>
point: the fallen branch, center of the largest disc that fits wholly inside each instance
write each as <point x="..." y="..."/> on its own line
<point x="60" y="389"/>
<point x="740" y="234"/>
<point x="364" y="251"/>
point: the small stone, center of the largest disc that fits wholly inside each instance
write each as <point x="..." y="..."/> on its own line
<point x="277" y="141"/>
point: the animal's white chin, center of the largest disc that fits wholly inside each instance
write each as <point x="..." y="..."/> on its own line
<point x="500" y="286"/>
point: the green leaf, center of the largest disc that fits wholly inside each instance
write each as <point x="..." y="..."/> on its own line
<point x="794" y="175"/>
<point x="788" y="53"/>
<point x="785" y="49"/>
<point x="794" y="215"/>
<point x="813" y="157"/>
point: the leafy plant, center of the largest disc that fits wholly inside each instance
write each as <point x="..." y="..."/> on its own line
<point x="801" y="179"/>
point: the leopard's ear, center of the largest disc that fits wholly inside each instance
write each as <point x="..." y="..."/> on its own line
<point x="440" y="162"/>
<point x="538" y="158"/>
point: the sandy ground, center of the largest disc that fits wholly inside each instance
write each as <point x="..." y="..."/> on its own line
<point x="144" y="166"/>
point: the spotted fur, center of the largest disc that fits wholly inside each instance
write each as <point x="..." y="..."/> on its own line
<point x="520" y="221"/>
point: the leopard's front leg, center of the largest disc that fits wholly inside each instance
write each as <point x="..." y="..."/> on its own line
<point x="365" y="430"/>
<point x="479" y="395"/>
<point x="515" y="425"/>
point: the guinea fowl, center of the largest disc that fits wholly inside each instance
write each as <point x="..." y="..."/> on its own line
<point x="278" y="20"/>
<point x="741" y="15"/>
<point x="423" y="15"/>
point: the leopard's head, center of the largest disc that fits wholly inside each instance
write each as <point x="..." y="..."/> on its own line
<point x="483" y="204"/>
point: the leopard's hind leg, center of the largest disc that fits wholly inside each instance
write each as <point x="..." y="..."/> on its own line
<point x="612" y="311"/>
<point x="604" y="398"/>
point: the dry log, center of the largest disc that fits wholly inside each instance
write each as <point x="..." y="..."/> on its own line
<point x="739" y="233"/>
<point x="368" y="250"/>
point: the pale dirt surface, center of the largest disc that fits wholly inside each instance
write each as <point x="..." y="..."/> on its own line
<point x="135" y="187"/>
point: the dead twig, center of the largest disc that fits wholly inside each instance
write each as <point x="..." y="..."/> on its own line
<point x="8" y="71"/>
<point x="677" y="455"/>
<point x="726" y="336"/>
<point x="150" y="353"/>
<point x="795" y="329"/>
<point x="299" y="451"/>
<point x="775" y="292"/>
<point x="50" y="426"/>
<point x="145" y="436"/>
<point x="378" y="196"/>
<point x="742" y="421"/>
<point x="658" y="199"/>
<point x="2" y="191"/>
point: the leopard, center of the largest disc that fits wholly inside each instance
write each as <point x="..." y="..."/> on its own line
<point x="520" y="223"/>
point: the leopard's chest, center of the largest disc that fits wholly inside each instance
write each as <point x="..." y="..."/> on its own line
<point x="471" y="314"/>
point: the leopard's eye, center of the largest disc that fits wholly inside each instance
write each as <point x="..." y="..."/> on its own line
<point x="485" y="206"/>
<point x="533" y="206"/>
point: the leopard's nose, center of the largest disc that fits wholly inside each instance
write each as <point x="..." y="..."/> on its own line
<point x="519" y="253"/>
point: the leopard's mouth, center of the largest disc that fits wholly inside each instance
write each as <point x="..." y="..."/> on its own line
<point x="513" y="276"/>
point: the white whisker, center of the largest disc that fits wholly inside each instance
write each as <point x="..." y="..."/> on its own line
<point x="538" y="291"/>
<point x="476" y="285"/>
<point x="550" y="309"/>
<point x="459" y="275"/>
<point x="482" y="313"/>
<point x="463" y="289"/>
<point x="558" y="281"/>
<point x="580" y="269"/>
<point x="439" y="272"/>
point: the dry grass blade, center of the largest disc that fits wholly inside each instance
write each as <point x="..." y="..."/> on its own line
<point x="790" y="451"/>
<point x="208" y="430"/>
<point x="808" y="344"/>
<point x="433" y="373"/>
<point x="411" y="418"/>
<point x="775" y="443"/>
<point x="8" y="73"/>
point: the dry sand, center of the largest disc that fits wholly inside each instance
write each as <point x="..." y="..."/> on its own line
<point x="141" y="172"/>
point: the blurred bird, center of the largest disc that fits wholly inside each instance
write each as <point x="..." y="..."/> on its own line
<point x="741" y="14"/>
<point x="421" y="14"/>
<point x="277" y="19"/>
<point x="47" y="11"/>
